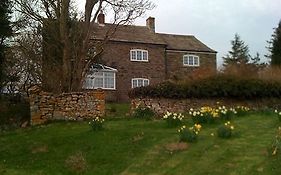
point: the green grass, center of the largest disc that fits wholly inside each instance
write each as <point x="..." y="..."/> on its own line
<point x="132" y="146"/>
<point x="117" y="110"/>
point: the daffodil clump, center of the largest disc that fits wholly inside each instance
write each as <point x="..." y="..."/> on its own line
<point x="278" y="114"/>
<point x="225" y="130"/>
<point x="173" y="119"/>
<point x="189" y="134"/>
<point x="97" y="123"/>
<point x="276" y="145"/>
<point x="205" y="114"/>
<point x="226" y="114"/>
<point x="208" y="114"/>
<point x="241" y="110"/>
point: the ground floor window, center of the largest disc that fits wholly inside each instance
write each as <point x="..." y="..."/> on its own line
<point x="103" y="80"/>
<point x="138" y="82"/>
<point x="103" y="77"/>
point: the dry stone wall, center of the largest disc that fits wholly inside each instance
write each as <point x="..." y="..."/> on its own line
<point x="46" y="106"/>
<point x="162" y="105"/>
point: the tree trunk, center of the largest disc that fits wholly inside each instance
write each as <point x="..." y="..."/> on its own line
<point x="66" y="57"/>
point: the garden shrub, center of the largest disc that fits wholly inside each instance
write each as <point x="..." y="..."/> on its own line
<point x="219" y="86"/>
<point x="14" y="110"/>
<point x="143" y="113"/>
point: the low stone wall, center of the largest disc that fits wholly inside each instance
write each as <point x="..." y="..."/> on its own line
<point x="46" y="106"/>
<point x="162" y="105"/>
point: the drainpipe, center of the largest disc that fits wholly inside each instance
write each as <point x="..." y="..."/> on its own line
<point x="166" y="63"/>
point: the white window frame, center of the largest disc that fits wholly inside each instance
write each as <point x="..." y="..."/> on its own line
<point x="91" y="78"/>
<point x="134" y="55"/>
<point x="139" y="79"/>
<point x="189" y="62"/>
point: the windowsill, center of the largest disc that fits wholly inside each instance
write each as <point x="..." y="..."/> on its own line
<point x="105" y="89"/>
<point x="145" y="61"/>
<point x="100" y="88"/>
<point x="191" y="65"/>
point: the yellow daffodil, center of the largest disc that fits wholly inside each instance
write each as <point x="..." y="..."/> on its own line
<point x="198" y="126"/>
<point x="275" y="151"/>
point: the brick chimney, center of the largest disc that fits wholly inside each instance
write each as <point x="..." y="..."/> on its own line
<point x="150" y="23"/>
<point x="101" y="18"/>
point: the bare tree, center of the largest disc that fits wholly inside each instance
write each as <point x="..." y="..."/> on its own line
<point x="24" y="61"/>
<point x="66" y="36"/>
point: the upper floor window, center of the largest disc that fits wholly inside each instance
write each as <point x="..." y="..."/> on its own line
<point x="139" y="55"/>
<point x="138" y="82"/>
<point x="191" y="60"/>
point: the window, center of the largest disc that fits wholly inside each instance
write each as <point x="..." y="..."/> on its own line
<point x="139" y="55"/>
<point x="138" y="82"/>
<point x="104" y="80"/>
<point x="191" y="60"/>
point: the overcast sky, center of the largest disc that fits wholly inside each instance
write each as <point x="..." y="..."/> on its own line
<point x="215" y="22"/>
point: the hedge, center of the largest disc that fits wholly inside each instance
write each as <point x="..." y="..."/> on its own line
<point x="14" y="111"/>
<point x="219" y="86"/>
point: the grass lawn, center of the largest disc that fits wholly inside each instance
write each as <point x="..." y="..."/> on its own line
<point x="134" y="146"/>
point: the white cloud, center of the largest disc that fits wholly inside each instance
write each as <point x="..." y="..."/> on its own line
<point x="216" y="21"/>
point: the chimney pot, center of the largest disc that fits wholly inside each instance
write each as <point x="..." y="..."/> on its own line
<point x="150" y="23"/>
<point x="101" y="18"/>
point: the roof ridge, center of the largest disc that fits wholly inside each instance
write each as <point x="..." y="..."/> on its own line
<point x="125" y="25"/>
<point x="171" y="34"/>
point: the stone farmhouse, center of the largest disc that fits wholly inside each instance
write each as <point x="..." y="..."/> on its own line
<point x="137" y="56"/>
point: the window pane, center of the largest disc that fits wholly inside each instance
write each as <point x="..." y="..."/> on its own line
<point x="185" y="60"/>
<point x="135" y="84"/>
<point x="133" y="55"/>
<point x="98" y="74"/>
<point x="196" y="61"/>
<point x="145" y="55"/>
<point x="145" y="83"/>
<point x="139" y="55"/>
<point x="98" y="82"/>
<point x="140" y="82"/>
<point x="190" y="60"/>
<point x="88" y="84"/>
<point x="109" y="80"/>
